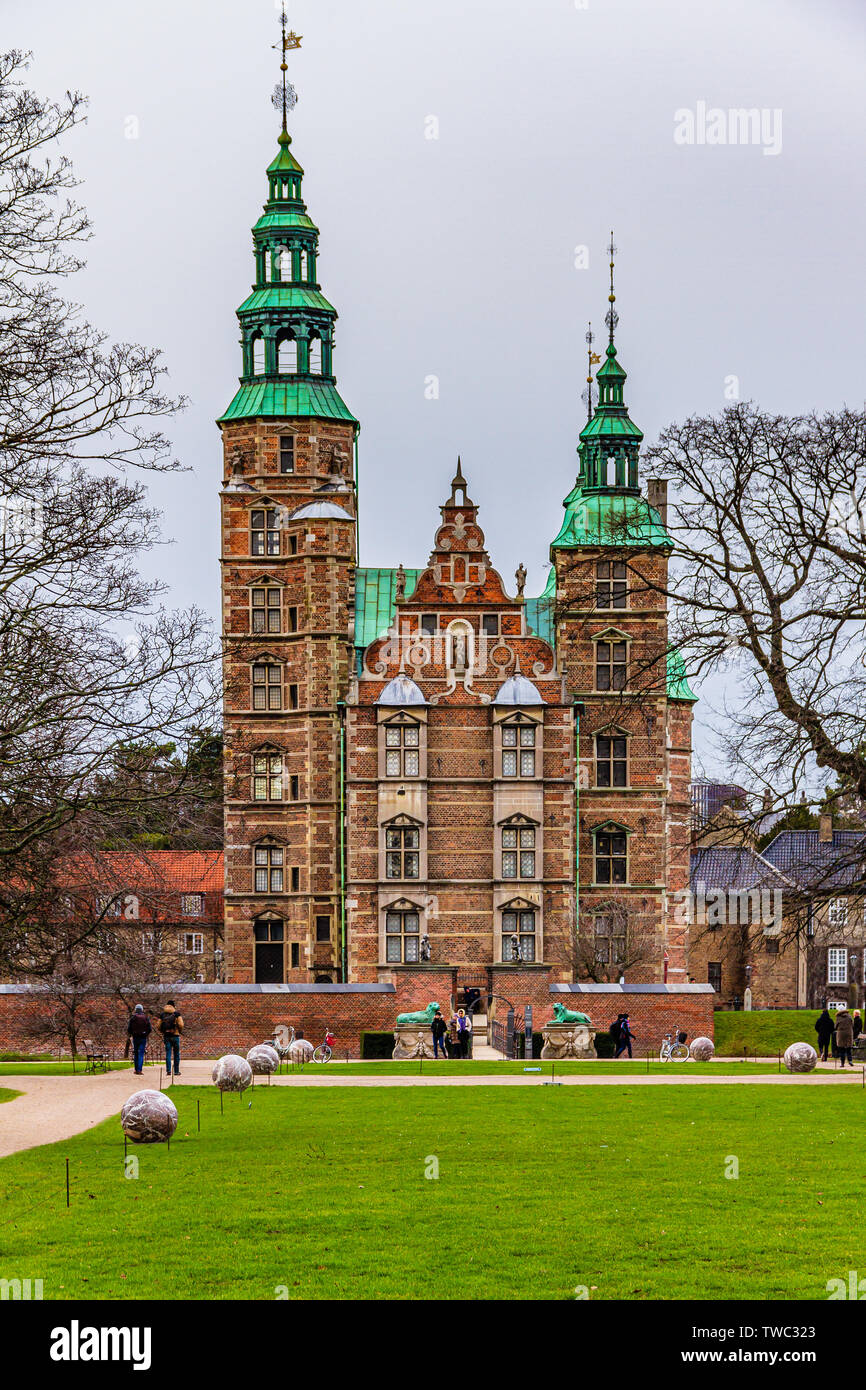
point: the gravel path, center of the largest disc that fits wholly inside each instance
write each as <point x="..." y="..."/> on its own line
<point x="56" y="1107"/>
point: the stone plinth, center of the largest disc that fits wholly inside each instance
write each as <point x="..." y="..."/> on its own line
<point x="412" y="1040"/>
<point x="568" y="1042"/>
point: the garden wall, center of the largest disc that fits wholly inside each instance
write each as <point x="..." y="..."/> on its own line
<point x="231" y="1018"/>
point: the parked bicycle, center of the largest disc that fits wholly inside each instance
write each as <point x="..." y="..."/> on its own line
<point x="281" y="1041"/>
<point x="673" y="1048"/>
<point x="324" y="1052"/>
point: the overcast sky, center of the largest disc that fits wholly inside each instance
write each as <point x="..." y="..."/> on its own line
<point x="455" y="256"/>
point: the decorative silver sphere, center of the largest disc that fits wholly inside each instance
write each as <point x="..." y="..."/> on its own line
<point x="148" y="1117"/>
<point x="263" y="1059"/>
<point x="702" y="1049"/>
<point x="801" y="1056"/>
<point x="232" y="1073"/>
<point x="301" y="1051"/>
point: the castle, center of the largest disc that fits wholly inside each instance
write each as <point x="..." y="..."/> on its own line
<point x="425" y="768"/>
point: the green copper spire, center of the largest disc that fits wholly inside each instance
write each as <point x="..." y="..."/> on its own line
<point x="605" y="506"/>
<point x="287" y="324"/>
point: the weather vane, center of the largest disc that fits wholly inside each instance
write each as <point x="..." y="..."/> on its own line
<point x="285" y="97"/>
<point x="611" y="318"/>
<point x="593" y="360"/>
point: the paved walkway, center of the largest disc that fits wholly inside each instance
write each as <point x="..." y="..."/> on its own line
<point x="53" y="1108"/>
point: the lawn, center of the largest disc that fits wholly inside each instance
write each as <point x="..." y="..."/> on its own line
<point x="540" y="1191"/>
<point x="764" y="1033"/>
<point x="6" y="1094"/>
<point x="491" y="1068"/>
<point x="55" y="1068"/>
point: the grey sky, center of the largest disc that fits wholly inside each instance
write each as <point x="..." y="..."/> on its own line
<point x="455" y="256"/>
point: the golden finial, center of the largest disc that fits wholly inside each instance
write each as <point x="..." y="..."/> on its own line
<point x="285" y="95"/>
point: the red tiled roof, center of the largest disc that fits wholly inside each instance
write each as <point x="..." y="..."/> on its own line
<point x="161" y="870"/>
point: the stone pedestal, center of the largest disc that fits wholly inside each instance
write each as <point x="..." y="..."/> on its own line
<point x="412" y="1040"/>
<point x="568" y="1042"/>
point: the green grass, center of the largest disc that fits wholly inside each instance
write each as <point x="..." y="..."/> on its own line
<point x="490" y="1068"/>
<point x="765" y="1033"/>
<point x="56" y="1068"/>
<point x="7" y="1094"/>
<point x="540" y="1190"/>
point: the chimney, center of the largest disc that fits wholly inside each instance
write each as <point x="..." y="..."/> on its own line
<point x="657" y="496"/>
<point x="825" y="830"/>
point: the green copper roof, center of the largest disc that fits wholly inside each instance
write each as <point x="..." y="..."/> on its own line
<point x="376" y="602"/>
<point x="286" y="297"/>
<point x="284" y="162"/>
<point x="283" y="220"/>
<point x="539" y="611"/>
<point x="678" y="687"/>
<point x="288" y="398"/>
<point x="616" y="519"/>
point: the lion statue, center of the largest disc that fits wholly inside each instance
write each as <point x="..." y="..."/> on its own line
<point x="418" y="1020"/>
<point x="563" y="1015"/>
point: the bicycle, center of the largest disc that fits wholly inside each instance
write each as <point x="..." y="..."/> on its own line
<point x="281" y="1041"/>
<point x="324" y="1053"/>
<point x="672" y="1050"/>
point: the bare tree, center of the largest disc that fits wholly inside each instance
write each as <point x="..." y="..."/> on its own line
<point x="90" y="660"/>
<point x="611" y="935"/>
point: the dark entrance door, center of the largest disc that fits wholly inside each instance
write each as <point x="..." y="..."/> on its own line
<point x="269" y="963"/>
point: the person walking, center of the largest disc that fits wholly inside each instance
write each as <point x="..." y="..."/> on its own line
<point x="138" y="1029"/>
<point x="464" y="1033"/>
<point x="625" y="1036"/>
<point x="845" y="1036"/>
<point x="171" y="1027"/>
<point x="824" y="1029"/>
<point x="439" y="1029"/>
<point x="858" y="1024"/>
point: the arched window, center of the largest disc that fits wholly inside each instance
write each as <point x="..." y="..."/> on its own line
<point x="610" y="478"/>
<point x="285" y="263"/>
<point x="316" y="356"/>
<point x="287" y="356"/>
<point x="258" y="344"/>
<point x="305" y="265"/>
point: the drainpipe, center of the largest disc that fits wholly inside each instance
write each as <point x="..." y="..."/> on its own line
<point x="344" y="952"/>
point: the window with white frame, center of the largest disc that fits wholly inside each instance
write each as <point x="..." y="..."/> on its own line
<point x="518" y="750"/>
<point x="192" y="904"/>
<point x="837" y="912"/>
<point x="402" y="935"/>
<point x="837" y="965"/>
<point x="267" y="776"/>
<point x="269" y="861"/>
<point x="518" y="851"/>
<point x="191" y="943"/>
<point x="518" y="934"/>
<point x="402" y="745"/>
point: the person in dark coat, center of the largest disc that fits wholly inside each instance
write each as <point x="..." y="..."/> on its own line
<point x="845" y="1036"/>
<point x="439" y="1029"/>
<point x="625" y="1036"/>
<point x="139" y="1029"/>
<point x="824" y="1029"/>
<point x="858" y="1024"/>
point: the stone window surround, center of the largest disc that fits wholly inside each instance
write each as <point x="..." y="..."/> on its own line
<point x="611" y="634"/>
<point x="403" y="819"/>
<point x="265" y="581"/>
<point x="395" y="714"/>
<point x="518" y="821"/>
<point x="398" y="899"/>
<point x="268" y="842"/>
<point x="268" y="750"/>
<point x="268" y="660"/>
<point x="509" y="897"/>
<point x="611" y="731"/>
<point x="517" y="714"/>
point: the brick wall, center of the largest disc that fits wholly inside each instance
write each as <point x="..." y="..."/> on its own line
<point x="231" y="1018"/>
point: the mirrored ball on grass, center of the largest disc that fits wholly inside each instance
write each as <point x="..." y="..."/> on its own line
<point x="232" y="1073"/>
<point x="263" y="1059"/>
<point x="148" y="1117"/>
<point x="702" y="1049"/>
<point x="801" y="1056"/>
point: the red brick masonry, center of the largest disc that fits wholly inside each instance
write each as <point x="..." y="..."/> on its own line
<point x="231" y="1018"/>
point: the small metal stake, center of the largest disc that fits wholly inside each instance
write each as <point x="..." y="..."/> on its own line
<point x="198" y="1115"/>
<point x="160" y="1078"/>
<point x="221" y="1102"/>
<point x="67" y="1182"/>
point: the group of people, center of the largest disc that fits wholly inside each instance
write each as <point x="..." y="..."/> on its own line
<point x="454" y="1040"/>
<point x="139" y="1029"/>
<point x="620" y="1032"/>
<point x="840" y="1035"/>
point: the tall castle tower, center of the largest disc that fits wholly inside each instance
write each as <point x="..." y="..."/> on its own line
<point x="607" y="593"/>
<point x="288" y="508"/>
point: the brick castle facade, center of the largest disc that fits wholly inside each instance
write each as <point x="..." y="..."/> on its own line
<point x="426" y="769"/>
